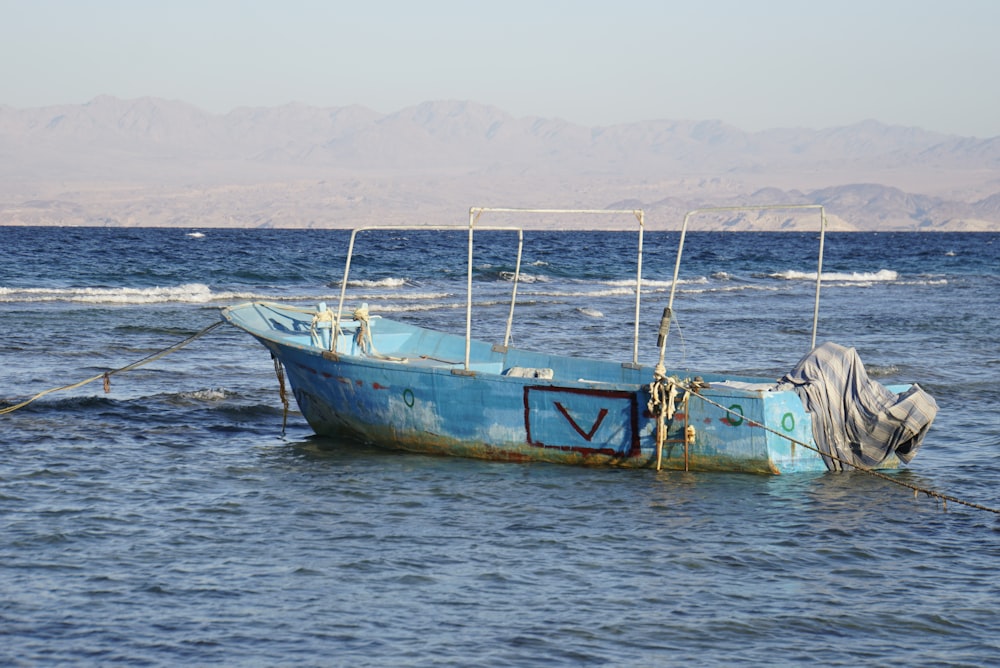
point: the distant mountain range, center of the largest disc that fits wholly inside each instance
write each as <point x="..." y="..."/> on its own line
<point x="155" y="162"/>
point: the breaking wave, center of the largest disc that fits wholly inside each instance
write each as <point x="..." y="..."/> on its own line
<point x="380" y="283"/>
<point x="188" y="293"/>
<point x="881" y="276"/>
<point x="523" y="278"/>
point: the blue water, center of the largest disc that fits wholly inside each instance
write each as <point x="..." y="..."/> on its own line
<point x="171" y="522"/>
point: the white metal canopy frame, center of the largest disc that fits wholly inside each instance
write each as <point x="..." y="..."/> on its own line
<point x="476" y="212"/>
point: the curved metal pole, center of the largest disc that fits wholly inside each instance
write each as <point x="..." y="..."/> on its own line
<point x="335" y="332"/>
<point x="764" y="207"/>
<point x="513" y="291"/>
<point x="669" y="311"/>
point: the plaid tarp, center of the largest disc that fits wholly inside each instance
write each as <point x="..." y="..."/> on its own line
<point x="854" y="418"/>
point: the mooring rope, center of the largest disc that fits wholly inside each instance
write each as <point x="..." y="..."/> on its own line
<point x="945" y="498"/>
<point x="106" y="376"/>
<point x="279" y="371"/>
<point x="662" y="404"/>
<point x="363" y="337"/>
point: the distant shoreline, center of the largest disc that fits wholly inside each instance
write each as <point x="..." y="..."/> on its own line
<point x="151" y="162"/>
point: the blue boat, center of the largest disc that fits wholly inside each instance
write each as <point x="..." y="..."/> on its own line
<point x="405" y="387"/>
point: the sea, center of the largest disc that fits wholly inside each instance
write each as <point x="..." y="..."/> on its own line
<point x="177" y="516"/>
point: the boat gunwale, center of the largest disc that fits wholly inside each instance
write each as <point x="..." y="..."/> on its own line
<point x="416" y="365"/>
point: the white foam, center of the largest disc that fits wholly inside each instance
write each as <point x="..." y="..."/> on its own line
<point x="883" y="275"/>
<point x="523" y="278"/>
<point x="731" y="288"/>
<point x="212" y="394"/>
<point x="651" y="283"/>
<point x="193" y="293"/>
<point x="380" y="283"/>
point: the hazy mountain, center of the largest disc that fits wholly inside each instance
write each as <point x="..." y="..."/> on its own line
<point x="159" y="162"/>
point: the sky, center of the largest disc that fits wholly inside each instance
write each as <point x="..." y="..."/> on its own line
<point x="754" y="64"/>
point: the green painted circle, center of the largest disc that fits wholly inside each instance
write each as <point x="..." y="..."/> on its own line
<point x="735" y="422"/>
<point x="408" y="397"/>
<point x="788" y="422"/>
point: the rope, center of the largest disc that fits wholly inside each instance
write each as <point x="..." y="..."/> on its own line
<point x="106" y="376"/>
<point x="945" y="498"/>
<point x="662" y="404"/>
<point x="363" y="337"/>
<point x="323" y="319"/>
<point x="279" y="371"/>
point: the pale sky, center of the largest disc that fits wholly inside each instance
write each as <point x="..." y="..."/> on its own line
<point x="755" y="64"/>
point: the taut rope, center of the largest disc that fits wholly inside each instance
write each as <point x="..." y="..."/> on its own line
<point x="945" y="498"/>
<point x="106" y="376"/>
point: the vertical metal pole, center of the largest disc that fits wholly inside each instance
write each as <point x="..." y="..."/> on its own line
<point x="638" y="288"/>
<point x="819" y="273"/>
<point x="468" y="294"/>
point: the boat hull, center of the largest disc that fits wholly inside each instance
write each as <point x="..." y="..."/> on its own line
<point x="416" y="405"/>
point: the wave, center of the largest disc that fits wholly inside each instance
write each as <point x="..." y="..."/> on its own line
<point x="220" y="400"/>
<point x="653" y="283"/>
<point x="883" y="275"/>
<point x="564" y="294"/>
<point x="197" y="293"/>
<point x="927" y="281"/>
<point x="217" y="398"/>
<point x="420" y="296"/>
<point x="379" y="283"/>
<point x="395" y="289"/>
<point x="622" y="282"/>
<point x="881" y="370"/>
<point x="190" y="293"/>
<point x="523" y="277"/>
<point x="207" y="395"/>
<point x="57" y="403"/>
<point x="540" y="288"/>
<point x="430" y="306"/>
<point x="389" y="282"/>
<point x="730" y="288"/>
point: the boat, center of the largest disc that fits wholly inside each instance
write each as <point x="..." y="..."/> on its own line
<point x="402" y="386"/>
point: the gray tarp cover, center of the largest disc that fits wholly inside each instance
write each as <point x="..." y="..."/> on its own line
<point x="854" y="418"/>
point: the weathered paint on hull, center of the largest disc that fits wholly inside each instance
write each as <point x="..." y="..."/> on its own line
<point x="489" y="416"/>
